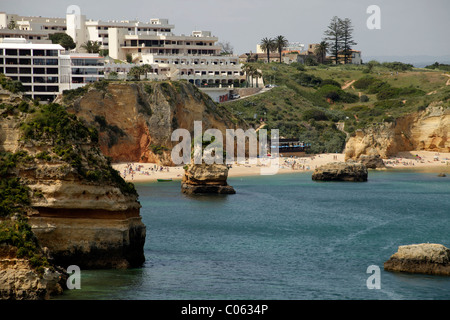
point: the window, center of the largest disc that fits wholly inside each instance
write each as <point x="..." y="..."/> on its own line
<point x="25" y="61"/>
<point x="52" y="70"/>
<point x="39" y="71"/>
<point x="25" y="79"/>
<point x="39" y="53"/>
<point x="11" y="52"/>
<point x="1" y="51"/>
<point x="11" y="70"/>
<point x="39" y="62"/>
<point x="24" y="70"/>
<point x="11" y="61"/>
<point x="52" y="53"/>
<point x="24" y="52"/>
<point x="52" y="62"/>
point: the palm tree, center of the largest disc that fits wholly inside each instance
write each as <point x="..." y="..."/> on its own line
<point x="321" y="51"/>
<point x="135" y="73"/>
<point x="91" y="46"/>
<point x="257" y="75"/>
<point x="280" y="43"/>
<point x="247" y="68"/>
<point x="267" y="45"/>
<point x="145" y="69"/>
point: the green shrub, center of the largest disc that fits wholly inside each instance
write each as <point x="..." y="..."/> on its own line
<point x="364" y="98"/>
<point x="315" y="114"/>
<point x="70" y="95"/>
<point x="336" y="94"/>
<point x="388" y="104"/>
<point x="397" y="66"/>
<point x="44" y="155"/>
<point x="148" y="88"/>
<point x="330" y="82"/>
<point x="307" y="80"/>
<point x="101" y="85"/>
<point x="13" y="86"/>
<point x="53" y="122"/>
<point x="157" y="149"/>
<point x="393" y="93"/>
<point x="364" y="83"/>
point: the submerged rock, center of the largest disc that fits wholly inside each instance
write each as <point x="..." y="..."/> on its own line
<point x="442" y="175"/>
<point x="427" y="258"/>
<point x="204" y="178"/>
<point x="341" y="171"/>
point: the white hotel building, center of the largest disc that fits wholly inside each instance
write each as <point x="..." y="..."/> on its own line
<point x="45" y="70"/>
<point x="196" y="57"/>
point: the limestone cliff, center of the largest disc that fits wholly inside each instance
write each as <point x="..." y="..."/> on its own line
<point x="19" y="281"/>
<point x="80" y="209"/>
<point x="427" y="130"/>
<point x="136" y="120"/>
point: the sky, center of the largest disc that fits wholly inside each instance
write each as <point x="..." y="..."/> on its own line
<point x="408" y="27"/>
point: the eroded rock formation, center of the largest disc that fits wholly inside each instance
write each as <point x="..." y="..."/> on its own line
<point x="19" y="281"/>
<point x="427" y="130"/>
<point x="340" y="171"/>
<point x="81" y="210"/>
<point x="136" y="120"/>
<point x="427" y="258"/>
<point x="372" y="162"/>
<point x="204" y="178"/>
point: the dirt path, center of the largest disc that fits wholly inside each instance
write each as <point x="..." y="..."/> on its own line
<point x="348" y="84"/>
<point x="448" y="81"/>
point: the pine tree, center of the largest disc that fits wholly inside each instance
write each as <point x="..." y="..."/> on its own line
<point x="347" y="39"/>
<point x="333" y="36"/>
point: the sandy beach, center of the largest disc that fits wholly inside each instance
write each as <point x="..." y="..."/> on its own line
<point x="420" y="160"/>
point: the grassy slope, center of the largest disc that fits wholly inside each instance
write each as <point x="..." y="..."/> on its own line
<point x="288" y="106"/>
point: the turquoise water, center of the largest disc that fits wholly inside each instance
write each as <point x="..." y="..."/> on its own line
<point x="283" y="237"/>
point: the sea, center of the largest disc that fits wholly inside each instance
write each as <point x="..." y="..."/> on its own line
<point x="283" y="237"/>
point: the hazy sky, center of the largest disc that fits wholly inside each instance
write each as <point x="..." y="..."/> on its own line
<point x="408" y="27"/>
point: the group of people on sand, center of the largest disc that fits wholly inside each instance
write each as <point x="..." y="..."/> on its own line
<point x="295" y="164"/>
<point x="139" y="168"/>
<point x="416" y="160"/>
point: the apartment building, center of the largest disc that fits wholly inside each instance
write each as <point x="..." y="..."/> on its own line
<point x="195" y="57"/>
<point x="78" y="69"/>
<point x="45" y="70"/>
<point x="35" y="65"/>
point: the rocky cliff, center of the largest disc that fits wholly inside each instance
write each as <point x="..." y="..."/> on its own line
<point x="20" y="281"/>
<point x="79" y="208"/>
<point x="427" y="130"/>
<point x="136" y="120"/>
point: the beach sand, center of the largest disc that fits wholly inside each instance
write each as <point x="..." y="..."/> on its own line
<point x="420" y="160"/>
